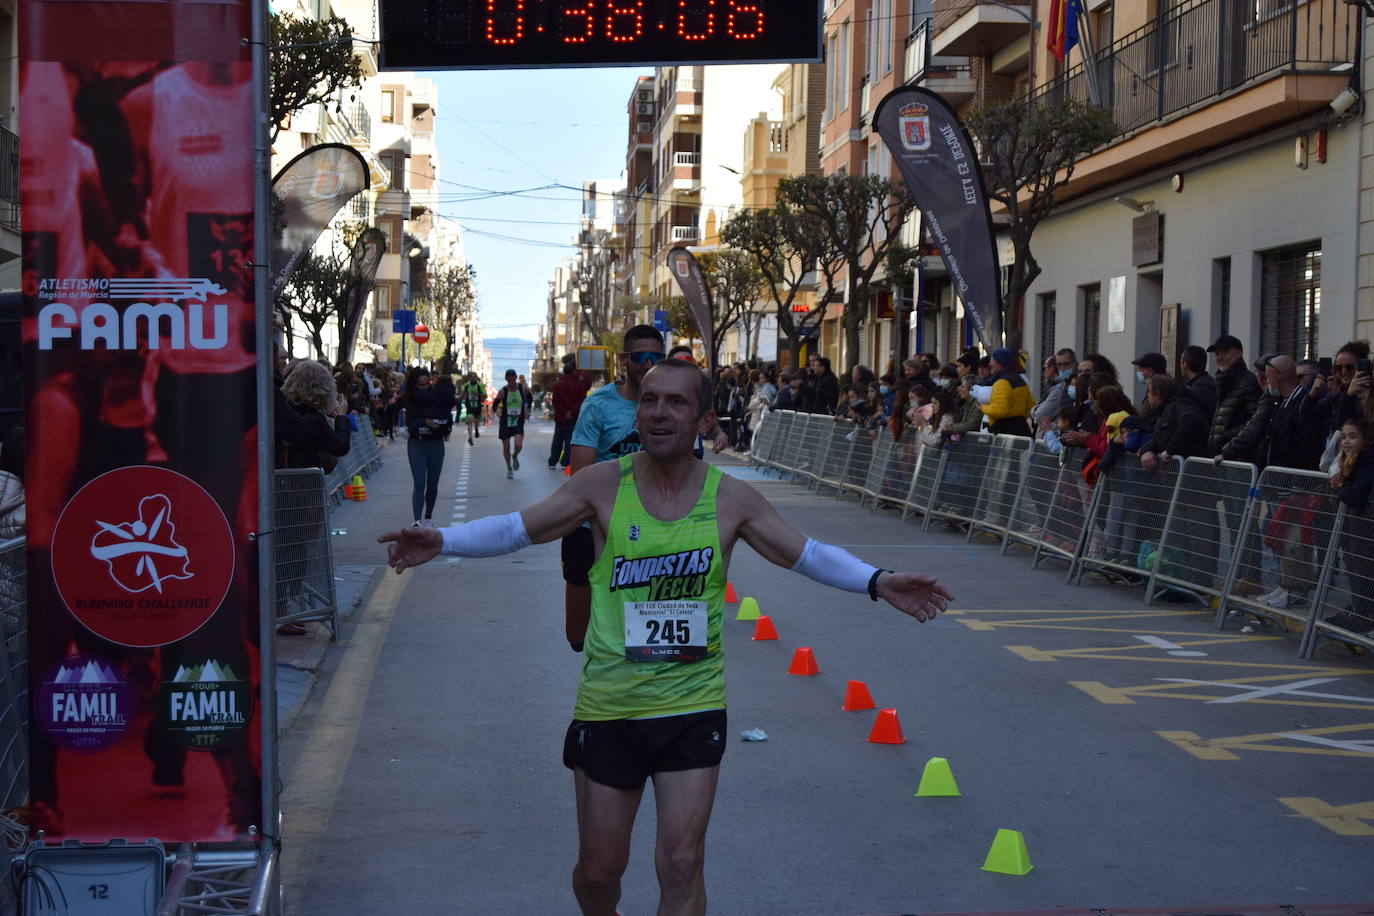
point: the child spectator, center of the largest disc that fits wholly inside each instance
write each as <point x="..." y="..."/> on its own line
<point x="1353" y="482"/>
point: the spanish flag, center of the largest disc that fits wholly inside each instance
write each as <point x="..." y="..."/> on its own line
<point x="1062" y="33"/>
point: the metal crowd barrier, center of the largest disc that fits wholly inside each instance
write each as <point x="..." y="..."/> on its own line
<point x="838" y="454"/>
<point x="1277" y="545"/>
<point x="304" y="557"/>
<point x="363" y="458"/>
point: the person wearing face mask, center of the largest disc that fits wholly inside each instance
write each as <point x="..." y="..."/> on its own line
<point x="1060" y="395"/>
<point x="1147" y="367"/>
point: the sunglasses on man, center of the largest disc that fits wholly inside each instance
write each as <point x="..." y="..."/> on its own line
<point x="1345" y="367"/>
<point x="645" y="357"/>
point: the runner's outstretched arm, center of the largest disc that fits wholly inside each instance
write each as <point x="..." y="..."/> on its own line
<point x="779" y="543"/>
<point x="561" y="513"/>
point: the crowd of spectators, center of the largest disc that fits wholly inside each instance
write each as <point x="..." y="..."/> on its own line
<point x="1274" y="411"/>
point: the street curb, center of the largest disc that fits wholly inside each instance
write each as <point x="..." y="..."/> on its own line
<point x="296" y="679"/>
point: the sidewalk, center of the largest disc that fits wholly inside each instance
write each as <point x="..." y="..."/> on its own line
<point x="358" y="563"/>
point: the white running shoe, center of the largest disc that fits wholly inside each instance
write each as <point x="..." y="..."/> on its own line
<point x="428" y="523"/>
<point x="418" y="524"/>
<point x="509" y="474"/>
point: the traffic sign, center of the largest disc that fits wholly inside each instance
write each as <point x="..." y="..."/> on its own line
<point x="421" y="333"/>
<point x="661" y="323"/>
<point x="403" y="321"/>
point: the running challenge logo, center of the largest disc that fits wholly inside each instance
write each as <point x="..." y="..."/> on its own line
<point x="667" y="576"/>
<point x="160" y="316"/>
<point x="142" y="556"/>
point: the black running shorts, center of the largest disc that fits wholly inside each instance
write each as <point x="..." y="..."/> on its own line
<point x="625" y="752"/>
<point x="578" y="551"/>
<point x="509" y="431"/>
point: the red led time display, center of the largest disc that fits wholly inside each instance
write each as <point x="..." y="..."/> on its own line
<point x="488" y="34"/>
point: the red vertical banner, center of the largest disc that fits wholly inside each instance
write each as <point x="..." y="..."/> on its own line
<point x="136" y="182"/>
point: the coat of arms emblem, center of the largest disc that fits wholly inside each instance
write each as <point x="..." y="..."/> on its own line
<point x="914" y="123"/>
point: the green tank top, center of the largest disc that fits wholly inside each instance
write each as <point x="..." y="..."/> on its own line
<point x="653" y="646"/>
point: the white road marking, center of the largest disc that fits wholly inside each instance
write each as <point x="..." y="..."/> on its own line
<point x="1250" y="692"/>
<point x="1174" y="648"/>
<point x="1359" y="747"/>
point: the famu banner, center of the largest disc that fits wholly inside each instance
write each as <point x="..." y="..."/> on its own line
<point x="306" y="194"/>
<point x="687" y="271"/>
<point x="136" y="180"/>
<point x="940" y="164"/>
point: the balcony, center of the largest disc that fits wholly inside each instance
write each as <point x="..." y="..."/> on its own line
<point x="1199" y="54"/>
<point x="9" y="179"/>
<point x="358" y="124"/>
<point x="686" y="159"/>
<point x="951" y="77"/>
<point x="686" y="234"/>
<point x="978" y="29"/>
<point x="1199" y="79"/>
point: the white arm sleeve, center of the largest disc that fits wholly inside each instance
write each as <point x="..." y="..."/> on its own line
<point x="982" y="394"/>
<point x="834" y="566"/>
<point x="486" y="537"/>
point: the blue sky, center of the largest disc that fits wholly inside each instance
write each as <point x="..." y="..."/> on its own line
<point x="517" y="130"/>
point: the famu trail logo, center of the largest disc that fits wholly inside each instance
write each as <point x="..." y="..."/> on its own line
<point x="161" y="311"/>
<point x="83" y="705"/>
<point x="668" y="576"/>
<point x="204" y="705"/>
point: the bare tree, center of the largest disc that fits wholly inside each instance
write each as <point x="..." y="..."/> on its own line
<point x="860" y="218"/>
<point x="315" y="295"/>
<point x="1030" y="152"/>
<point x="452" y="294"/>
<point x="786" y="245"/>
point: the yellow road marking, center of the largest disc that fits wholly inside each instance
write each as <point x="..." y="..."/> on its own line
<point x="1318" y="743"/>
<point x="1346" y="820"/>
<point x="312" y="786"/>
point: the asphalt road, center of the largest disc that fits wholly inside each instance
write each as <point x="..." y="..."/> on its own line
<point x="1147" y="759"/>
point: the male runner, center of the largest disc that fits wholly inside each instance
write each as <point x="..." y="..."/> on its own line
<point x="512" y="409"/>
<point x="651" y="699"/>
<point x="474" y="398"/>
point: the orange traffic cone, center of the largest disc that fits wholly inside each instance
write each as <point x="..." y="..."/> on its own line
<point x="857" y="697"/>
<point x="803" y="663"/>
<point x="348" y="491"/>
<point x="730" y="596"/>
<point x="567" y="470"/>
<point x="888" y="729"/>
<point x="764" y="629"/>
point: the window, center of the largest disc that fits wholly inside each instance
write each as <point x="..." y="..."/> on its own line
<point x="1047" y="319"/>
<point x="885" y="31"/>
<point x="1221" y="294"/>
<point x="832" y="83"/>
<point x="920" y="11"/>
<point x="388" y="106"/>
<point x="381" y="297"/>
<point x="391" y="228"/>
<point x="1092" y="316"/>
<point x="396" y="165"/>
<point x="1291" y="300"/>
<point x="842" y="80"/>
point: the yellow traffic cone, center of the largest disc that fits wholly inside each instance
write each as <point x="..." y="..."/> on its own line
<point x="1008" y="854"/>
<point x="748" y="610"/>
<point x="937" y="780"/>
<point x="359" y="488"/>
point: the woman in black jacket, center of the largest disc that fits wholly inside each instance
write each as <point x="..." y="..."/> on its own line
<point x="429" y="420"/>
<point x="323" y="438"/>
<point x="309" y="389"/>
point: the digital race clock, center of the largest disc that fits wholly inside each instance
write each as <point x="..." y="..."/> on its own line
<point x="490" y="34"/>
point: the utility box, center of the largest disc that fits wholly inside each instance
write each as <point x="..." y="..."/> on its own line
<point x="116" y="879"/>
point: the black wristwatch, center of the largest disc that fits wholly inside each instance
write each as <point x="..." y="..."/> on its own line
<point x="873" y="583"/>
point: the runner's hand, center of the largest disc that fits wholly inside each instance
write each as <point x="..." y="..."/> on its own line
<point x="721" y="441"/>
<point x="918" y="596"/>
<point x="411" y="547"/>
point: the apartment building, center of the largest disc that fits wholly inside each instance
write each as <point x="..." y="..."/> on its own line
<point x="1229" y="202"/>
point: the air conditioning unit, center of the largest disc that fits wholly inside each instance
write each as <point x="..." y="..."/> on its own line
<point x="646" y="96"/>
<point x="643" y="127"/>
<point x="644" y="108"/>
